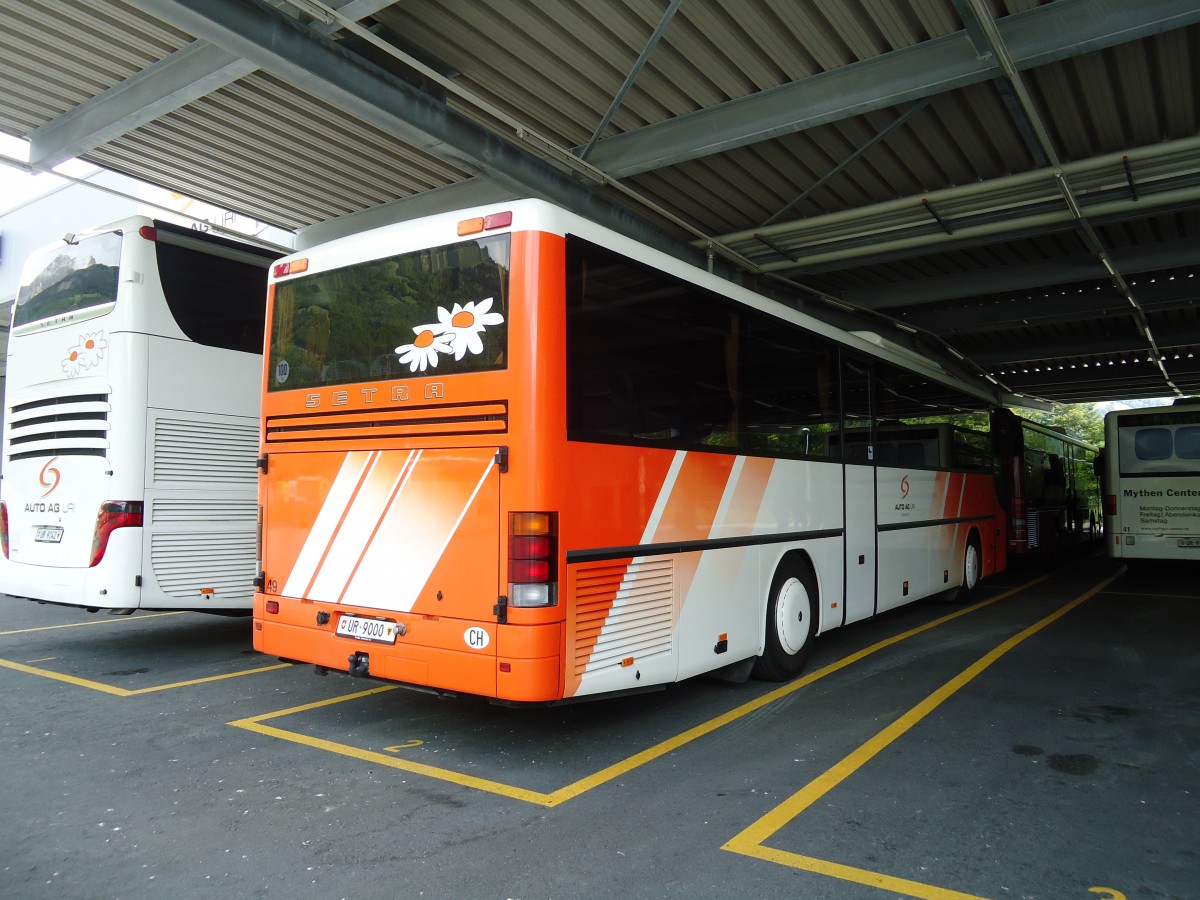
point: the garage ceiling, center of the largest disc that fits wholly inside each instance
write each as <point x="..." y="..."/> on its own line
<point x="1013" y="185"/>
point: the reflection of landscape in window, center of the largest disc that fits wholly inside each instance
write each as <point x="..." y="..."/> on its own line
<point x="73" y="278"/>
<point x="344" y="326"/>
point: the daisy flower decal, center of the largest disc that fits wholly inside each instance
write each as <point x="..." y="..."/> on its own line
<point x="423" y="351"/>
<point x="87" y="353"/>
<point x="463" y="325"/>
<point x="73" y="364"/>
<point x="91" y="348"/>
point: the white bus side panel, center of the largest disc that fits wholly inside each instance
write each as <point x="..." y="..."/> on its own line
<point x="201" y="478"/>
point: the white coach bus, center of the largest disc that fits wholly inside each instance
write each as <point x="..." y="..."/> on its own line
<point x="131" y="421"/>
<point x="1152" y="482"/>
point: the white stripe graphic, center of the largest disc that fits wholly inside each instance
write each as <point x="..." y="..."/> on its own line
<point x="664" y="495"/>
<point x="720" y="519"/>
<point x="380" y="582"/>
<point x="397" y="486"/>
<point x="361" y="519"/>
<point x="332" y="509"/>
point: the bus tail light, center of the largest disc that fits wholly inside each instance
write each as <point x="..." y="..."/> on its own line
<point x="149" y="232"/>
<point x="532" y="559"/>
<point x="113" y="514"/>
<point x="1110" y="504"/>
<point x="293" y="267"/>
<point x="485" y="223"/>
<point x="4" y="527"/>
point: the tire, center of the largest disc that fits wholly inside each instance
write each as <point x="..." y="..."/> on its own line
<point x="972" y="568"/>
<point x="791" y="622"/>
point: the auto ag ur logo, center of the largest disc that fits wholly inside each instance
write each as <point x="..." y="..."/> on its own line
<point x="904" y="487"/>
<point x="49" y="477"/>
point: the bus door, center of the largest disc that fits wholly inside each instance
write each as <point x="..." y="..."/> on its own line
<point x="858" y="492"/>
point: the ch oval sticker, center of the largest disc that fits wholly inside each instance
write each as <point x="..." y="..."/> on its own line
<point x="477" y="638"/>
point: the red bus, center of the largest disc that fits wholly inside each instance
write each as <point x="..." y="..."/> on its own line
<point x="1050" y="485"/>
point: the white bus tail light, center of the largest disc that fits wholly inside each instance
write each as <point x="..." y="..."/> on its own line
<point x="1110" y="504"/>
<point x="113" y="514"/>
<point x="532" y="559"/>
<point x="149" y="232"/>
<point x="4" y="527"/>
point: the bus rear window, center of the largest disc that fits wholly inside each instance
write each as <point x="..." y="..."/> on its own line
<point x="69" y="279"/>
<point x="438" y="311"/>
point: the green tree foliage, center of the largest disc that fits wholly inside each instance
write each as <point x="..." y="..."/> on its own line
<point x="1079" y="420"/>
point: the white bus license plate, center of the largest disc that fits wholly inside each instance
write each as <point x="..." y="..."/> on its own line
<point x="48" y="534"/>
<point x="367" y="629"/>
<point x="1189" y="542"/>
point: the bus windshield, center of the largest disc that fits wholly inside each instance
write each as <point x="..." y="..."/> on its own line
<point x="1161" y="444"/>
<point x="71" y="278"/>
<point x="443" y="308"/>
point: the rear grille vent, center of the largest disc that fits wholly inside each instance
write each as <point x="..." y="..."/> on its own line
<point x="218" y="567"/>
<point x="450" y="420"/>
<point x="622" y="613"/>
<point x="177" y="510"/>
<point x="205" y="452"/>
<point x="73" y="425"/>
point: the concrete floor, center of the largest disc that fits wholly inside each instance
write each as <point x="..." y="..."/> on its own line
<point x="1041" y="743"/>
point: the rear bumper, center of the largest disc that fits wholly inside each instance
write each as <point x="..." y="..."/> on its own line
<point x="109" y="585"/>
<point x="520" y="663"/>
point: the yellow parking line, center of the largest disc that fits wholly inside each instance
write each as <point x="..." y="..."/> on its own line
<point x="750" y="842"/>
<point x="126" y="692"/>
<point x="554" y="798"/>
<point x="110" y="621"/>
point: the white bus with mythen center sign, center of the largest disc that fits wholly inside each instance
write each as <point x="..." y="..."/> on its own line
<point x="1152" y="482"/>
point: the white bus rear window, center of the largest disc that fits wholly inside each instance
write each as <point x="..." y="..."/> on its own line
<point x="69" y="279"/>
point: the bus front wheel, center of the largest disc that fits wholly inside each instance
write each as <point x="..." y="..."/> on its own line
<point x="791" y="622"/>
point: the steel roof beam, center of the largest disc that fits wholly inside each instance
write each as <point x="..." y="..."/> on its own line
<point x="319" y="67"/>
<point x="186" y="75"/>
<point x="1045" y="308"/>
<point x="1175" y="254"/>
<point x="1042" y="35"/>
<point x="169" y="84"/>
<point x="1042" y="354"/>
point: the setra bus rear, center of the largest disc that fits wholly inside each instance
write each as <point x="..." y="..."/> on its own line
<point x="128" y="471"/>
<point x="396" y="542"/>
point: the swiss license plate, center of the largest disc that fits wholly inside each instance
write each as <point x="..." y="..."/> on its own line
<point x="1189" y="542"/>
<point x="48" y="534"/>
<point x="367" y="629"/>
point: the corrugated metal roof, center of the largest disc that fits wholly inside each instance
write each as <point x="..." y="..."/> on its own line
<point x="804" y="135"/>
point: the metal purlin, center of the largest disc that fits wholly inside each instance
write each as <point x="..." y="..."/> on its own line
<point x="987" y="25"/>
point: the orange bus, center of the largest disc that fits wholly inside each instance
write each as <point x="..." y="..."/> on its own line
<point x="507" y="452"/>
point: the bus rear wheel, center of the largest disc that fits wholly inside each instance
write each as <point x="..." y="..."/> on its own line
<point x="791" y="622"/>
<point x="972" y="568"/>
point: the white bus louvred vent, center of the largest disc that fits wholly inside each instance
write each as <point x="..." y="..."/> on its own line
<point x="187" y="451"/>
<point x="185" y="564"/>
<point x="70" y="425"/>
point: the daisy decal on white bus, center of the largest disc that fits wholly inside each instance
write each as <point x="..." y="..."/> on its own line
<point x="86" y="354"/>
